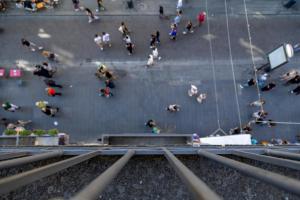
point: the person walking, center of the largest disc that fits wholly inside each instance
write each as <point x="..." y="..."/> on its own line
<point x="52" y="92"/>
<point x="98" y="41"/>
<point x="294" y="80"/>
<point x="100" y="5"/>
<point x="188" y="28"/>
<point x="157" y="37"/>
<point x="193" y="91"/>
<point x="91" y="15"/>
<point x="150" y="61"/>
<point x="178" y="17"/>
<point x="106" y="39"/>
<point x="150" y="123"/>
<point x="296" y="91"/>
<point x="76" y="5"/>
<point x="201" y="97"/>
<point x="161" y="12"/>
<point x="127" y="39"/>
<point x="41" y="104"/>
<point x="155" y="54"/>
<point x="109" y="83"/>
<point x="10" y="107"/>
<point x="179" y="5"/>
<point x="201" y="18"/>
<point x="268" y="87"/>
<point x="258" y="103"/>
<point x="152" y="41"/>
<point x="173" y="108"/>
<point x="105" y="92"/>
<point x="42" y="71"/>
<point x="260" y="114"/>
<point x="52" y="83"/>
<point x="173" y="32"/>
<point x="50" y="111"/>
<point x="250" y="82"/>
<point x="129" y="47"/>
<point x="30" y="45"/>
<point x="123" y="29"/>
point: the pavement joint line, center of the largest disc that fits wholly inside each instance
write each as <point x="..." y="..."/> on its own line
<point x="252" y="54"/>
<point x="284" y="123"/>
<point x="232" y="67"/>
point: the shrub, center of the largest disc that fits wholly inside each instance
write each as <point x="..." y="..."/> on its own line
<point x="10" y="132"/>
<point x="53" y="132"/>
<point x="39" y="132"/>
<point x="25" y="133"/>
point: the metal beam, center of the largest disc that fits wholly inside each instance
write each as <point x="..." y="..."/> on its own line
<point x="7" y="156"/>
<point x="280" y="181"/>
<point x="13" y="182"/>
<point x="30" y="159"/>
<point x="283" y="154"/>
<point x="198" y="188"/>
<point x="95" y="188"/>
<point x="292" y="164"/>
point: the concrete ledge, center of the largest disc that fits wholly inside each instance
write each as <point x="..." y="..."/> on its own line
<point x="146" y="139"/>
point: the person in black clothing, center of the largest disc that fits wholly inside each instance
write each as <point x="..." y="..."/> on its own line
<point x="249" y="83"/>
<point x="150" y="123"/>
<point x="296" y="91"/>
<point x="268" y="87"/>
<point x="50" y="111"/>
<point x="52" y="83"/>
<point x="109" y="83"/>
<point x="152" y="41"/>
<point x="129" y="47"/>
<point x="294" y="80"/>
<point x="41" y="71"/>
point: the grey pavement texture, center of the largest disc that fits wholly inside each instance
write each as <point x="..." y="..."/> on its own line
<point x="151" y="177"/>
<point x="141" y="93"/>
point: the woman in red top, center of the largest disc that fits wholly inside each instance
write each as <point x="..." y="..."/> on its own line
<point x="201" y="18"/>
<point x="51" y="92"/>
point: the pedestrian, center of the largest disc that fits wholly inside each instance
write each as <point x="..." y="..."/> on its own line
<point x="105" y="92"/>
<point x="259" y="114"/>
<point x="152" y="41"/>
<point x="296" y="91"/>
<point x="193" y="91"/>
<point x="100" y="5"/>
<point x="129" y="47"/>
<point x="249" y="83"/>
<point x="268" y="87"/>
<point x="52" y="92"/>
<point x="188" y="28"/>
<point x="50" y="55"/>
<point x="127" y="39"/>
<point x="173" y="108"/>
<point x="178" y="17"/>
<point x="157" y="35"/>
<point x="30" y="45"/>
<point x="41" y="104"/>
<point x="76" y="5"/>
<point x="155" y="130"/>
<point x="109" y="83"/>
<point x="201" y="97"/>
<point x="262" y="79"/>
<point x="289" y="75"/>
<point x="91" y="15"/>
<point x="50" y="111"/>
<point x="106" y="39"/>
<point x="258" y="103"/>
<point x="150" y="123"/>
<point x="150" y="61"/>
<point x="42" y="71"/>
<point x="123" y="29"/>
<point x="294" y="80"/>
<point x="98" y="41"/>
<point x="201" y="18"/>
<point x="155" y="54"/>
<point x="173" y="32"/>
<point x="10" y="107"/>
<point x="52" y="83"/>
<point x="161" y="12"/>
<point x="179" y="5"/>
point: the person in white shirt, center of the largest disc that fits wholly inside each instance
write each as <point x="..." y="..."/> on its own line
<point x="179" y="5"/>
<point x="106" y="39"/>
<point x="98" y="41"/>
<point x="150" y="61"/>
<point x="127" y="39"/>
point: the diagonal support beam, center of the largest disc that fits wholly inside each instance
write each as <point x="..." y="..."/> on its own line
<point x="30" y="159"/>
<point x="280" y="181"/>
<point x="283" y="154"/>
<point x="198" y="188"/>
<point x="13" y="182"/>
<point x="292" y="164"/>
<point x="95" y="188"/>
<point x="7" y="156"/>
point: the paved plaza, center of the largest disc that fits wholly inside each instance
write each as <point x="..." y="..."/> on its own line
<point x="216" y="58"/>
